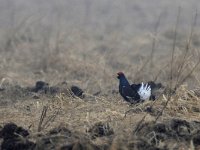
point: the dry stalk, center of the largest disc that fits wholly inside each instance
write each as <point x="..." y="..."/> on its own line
<point x="139" y="125"/>
<point x="187" y="48"/>
<point x="44" y="123"/>
<point x="43" y="115"/>
<point x="150" y="58"/>
<point x="172" y="61"/>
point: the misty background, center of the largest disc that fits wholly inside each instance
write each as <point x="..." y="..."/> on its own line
<point x="67" y="37"/>
<point x="99" y="16"/>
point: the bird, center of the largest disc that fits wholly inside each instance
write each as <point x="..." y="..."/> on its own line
<point x="133" y="93"/>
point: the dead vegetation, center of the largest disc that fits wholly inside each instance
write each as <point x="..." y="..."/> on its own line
<point x="75" y="103"/>
<point x="104" y="122"/>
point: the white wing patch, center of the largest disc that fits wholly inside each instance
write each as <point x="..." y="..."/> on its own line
<point x="144" y="91"/>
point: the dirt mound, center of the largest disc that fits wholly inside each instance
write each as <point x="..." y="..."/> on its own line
<point x="15" y="137"/>
<point x="44" y="88"/>
<point x="13" y="93"/>
<point x="77" y="91"/>
<point x="171" y="134"/>
<point x="64" y="139"/>
<point x="100" y="129"/>
<point x="171" y="131"/>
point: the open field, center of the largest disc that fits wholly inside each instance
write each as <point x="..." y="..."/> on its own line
<point x="85" y="43"/>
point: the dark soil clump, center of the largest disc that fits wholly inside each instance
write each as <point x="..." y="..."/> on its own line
<point x="15" y="137"/>
<point x="100" y="129"/>
<point x="175" y="130"/>
<point x="77" y="91"/>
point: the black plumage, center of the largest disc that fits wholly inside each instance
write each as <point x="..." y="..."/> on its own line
<point x="128" y="92"/>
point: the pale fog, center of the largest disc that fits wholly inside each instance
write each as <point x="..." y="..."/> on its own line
<point x="97" y="16"/>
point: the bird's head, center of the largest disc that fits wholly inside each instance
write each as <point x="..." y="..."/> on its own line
<point x="120" y="74"/>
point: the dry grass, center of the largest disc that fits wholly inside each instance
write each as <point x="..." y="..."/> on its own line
<point x="90" y="60"/>
<point x="80" y="115"/>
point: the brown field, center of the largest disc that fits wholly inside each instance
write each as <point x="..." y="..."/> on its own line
<point x="85" y="43"/>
